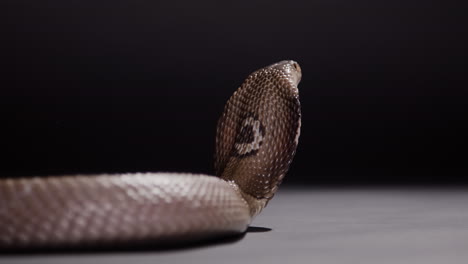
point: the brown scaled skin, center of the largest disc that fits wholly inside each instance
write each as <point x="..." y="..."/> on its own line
<point x="258" y="131"/>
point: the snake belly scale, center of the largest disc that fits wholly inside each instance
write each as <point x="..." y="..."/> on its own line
<point x="256" y="140"/>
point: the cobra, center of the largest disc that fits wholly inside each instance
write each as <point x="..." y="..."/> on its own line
<point x="256" y="140"/>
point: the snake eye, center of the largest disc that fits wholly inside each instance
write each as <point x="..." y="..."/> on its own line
<point x="296" y="66"/>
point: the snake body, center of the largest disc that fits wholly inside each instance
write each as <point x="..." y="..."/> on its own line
<point x="256" y="140"/>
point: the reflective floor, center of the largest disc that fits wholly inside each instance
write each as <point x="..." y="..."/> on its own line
<point x="324" y="225"/>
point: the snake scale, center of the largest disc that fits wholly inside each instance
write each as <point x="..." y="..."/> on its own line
<point x="256" y="140"/>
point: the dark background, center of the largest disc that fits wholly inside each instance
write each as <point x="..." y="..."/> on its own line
<point x="126" y="86"/>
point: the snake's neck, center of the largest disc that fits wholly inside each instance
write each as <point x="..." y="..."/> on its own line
<point x="256" y="205"/>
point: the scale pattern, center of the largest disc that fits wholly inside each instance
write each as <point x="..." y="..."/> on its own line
<point x="79" y="210"/>
<point x="258" y="132"/>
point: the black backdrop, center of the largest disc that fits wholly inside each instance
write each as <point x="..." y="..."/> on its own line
<point x="124" y="86"/>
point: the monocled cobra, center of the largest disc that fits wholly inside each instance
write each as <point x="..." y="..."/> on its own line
<point x="256" y="140"/>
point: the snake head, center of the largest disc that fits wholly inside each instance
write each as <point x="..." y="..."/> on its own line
<point x="258" y="132"/>
<point x="291" y="69"/>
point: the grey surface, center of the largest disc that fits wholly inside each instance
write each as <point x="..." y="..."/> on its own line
<point x="398" y="225"/>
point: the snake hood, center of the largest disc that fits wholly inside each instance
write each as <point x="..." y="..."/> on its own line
<point x="258" y="132"/>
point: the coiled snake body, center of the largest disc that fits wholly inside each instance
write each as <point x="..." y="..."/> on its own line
<point x="256" y="140"/>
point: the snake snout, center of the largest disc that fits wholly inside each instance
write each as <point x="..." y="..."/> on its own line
<point x="296" y="71"/>
<point x="291" y="68"/>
